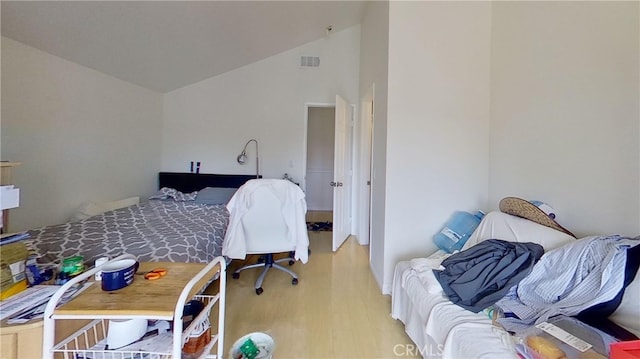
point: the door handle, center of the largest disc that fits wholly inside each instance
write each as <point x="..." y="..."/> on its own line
<point x="336" y="184"/>
<point x="339" y="184"/>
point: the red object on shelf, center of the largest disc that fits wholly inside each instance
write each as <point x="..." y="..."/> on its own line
<point x="625" y="350"/>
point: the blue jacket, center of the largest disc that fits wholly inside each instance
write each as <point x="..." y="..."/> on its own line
<point x="478" y="277"/>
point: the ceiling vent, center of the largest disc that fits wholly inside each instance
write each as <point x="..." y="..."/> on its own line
<point x="309" y="61"/>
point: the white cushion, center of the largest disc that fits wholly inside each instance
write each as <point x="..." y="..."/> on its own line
<point x="499" y="225"/>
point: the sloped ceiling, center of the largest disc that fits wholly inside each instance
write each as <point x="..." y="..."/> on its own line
<point x="165" y="45"/>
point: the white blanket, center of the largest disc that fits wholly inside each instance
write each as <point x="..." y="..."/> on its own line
<point x="294" y="208"/>
<point x="438" y="327"/>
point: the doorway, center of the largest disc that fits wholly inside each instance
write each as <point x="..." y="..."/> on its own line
<point x="320" y="157"/>
<point x="328" y="165"/>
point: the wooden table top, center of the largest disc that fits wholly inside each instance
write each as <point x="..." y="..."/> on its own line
<point x="156" y="298"/>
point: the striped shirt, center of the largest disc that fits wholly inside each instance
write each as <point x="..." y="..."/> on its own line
<point x="569" y="279"/>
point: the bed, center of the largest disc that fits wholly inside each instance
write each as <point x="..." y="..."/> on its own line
<point x="174" y="228"/>
<point x="441" y="329"/>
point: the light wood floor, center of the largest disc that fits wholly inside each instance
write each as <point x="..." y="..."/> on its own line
<point x="336" y="310"/>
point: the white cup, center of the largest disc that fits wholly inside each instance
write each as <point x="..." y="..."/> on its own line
<point x="100" y="261"/>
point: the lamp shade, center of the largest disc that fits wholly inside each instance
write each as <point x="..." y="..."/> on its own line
<point x="242" y="157"/>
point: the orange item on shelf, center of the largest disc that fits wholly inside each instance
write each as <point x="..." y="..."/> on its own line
<point x="155" y="274"/>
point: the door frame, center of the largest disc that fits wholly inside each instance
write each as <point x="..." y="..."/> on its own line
<point x="364" y="177"/>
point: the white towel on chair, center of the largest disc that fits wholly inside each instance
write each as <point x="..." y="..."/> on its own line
<point x="294" y="209"/>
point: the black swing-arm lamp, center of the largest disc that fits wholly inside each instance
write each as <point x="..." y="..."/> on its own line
<point x="242" y="157"/>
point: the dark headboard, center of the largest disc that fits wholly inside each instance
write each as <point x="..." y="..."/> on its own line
<point x="189" y="182"/>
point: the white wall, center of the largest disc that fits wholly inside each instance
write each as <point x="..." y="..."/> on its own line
<point x="438" y="121"/>
<point x="534" y="99"/>
<point x="566" y="120"/>
<point x="374" y="57"/>
<point x="81" y="135"/>
<point x="211" y="120"/>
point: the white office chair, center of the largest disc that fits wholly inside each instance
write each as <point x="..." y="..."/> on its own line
<point x="266" y="231"/>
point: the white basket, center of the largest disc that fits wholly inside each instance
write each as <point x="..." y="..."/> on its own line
<point x="90" y="341"/>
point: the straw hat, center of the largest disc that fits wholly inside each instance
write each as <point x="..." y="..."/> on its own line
<point x="525" y="209"/>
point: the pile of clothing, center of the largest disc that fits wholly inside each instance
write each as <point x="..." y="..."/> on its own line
<point x="585" y="278"/>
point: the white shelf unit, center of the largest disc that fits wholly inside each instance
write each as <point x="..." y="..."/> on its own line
<point x="86" y="342"/>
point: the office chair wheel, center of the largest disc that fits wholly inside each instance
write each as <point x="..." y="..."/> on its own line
<point x="236" y="275"/>
<point x="259" y="291"/>
<point x="294" y="281"/>
<point x="291" y="262"/>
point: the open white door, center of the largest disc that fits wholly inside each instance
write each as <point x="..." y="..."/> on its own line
<point x="342" y="174"/>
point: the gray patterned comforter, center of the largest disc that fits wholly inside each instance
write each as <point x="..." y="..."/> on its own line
<point x="153" y="231"/>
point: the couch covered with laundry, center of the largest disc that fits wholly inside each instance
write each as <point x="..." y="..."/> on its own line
<point x="518" y="281"/>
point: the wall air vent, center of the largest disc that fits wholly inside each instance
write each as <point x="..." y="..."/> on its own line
<point x="309" y="61"/>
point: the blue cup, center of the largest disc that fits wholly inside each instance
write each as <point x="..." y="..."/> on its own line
<point x="118" y="274"/>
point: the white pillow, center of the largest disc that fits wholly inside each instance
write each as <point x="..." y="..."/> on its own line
<point x="111" y="206"/>
<point x="499" y="225"/>
<point x="90" y="209"/>
<point x="87" y="210"/>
